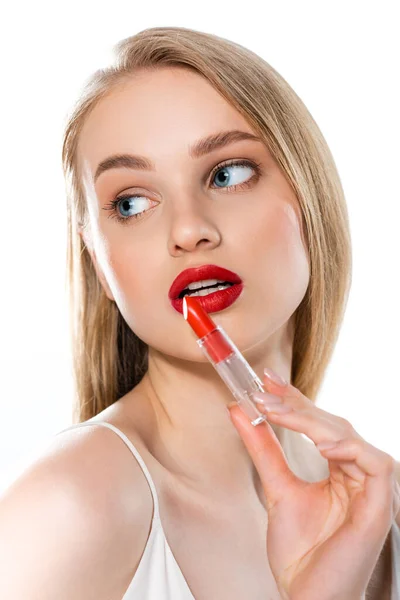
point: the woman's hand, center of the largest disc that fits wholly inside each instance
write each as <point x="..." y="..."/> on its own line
<point x="323" y="538"/>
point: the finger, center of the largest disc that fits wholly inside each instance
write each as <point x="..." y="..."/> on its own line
<point x="305" y="417"/>
<point x="276" y="384"/>
<point x="317" y="424"/>
<point x="380" y="485"/>
<point x="288" y="391"/>
<point x="371" y="460"/>
<point x="291" y="395"/>
<point x="267" y="455"/>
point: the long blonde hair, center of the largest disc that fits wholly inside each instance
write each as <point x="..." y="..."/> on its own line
<point x="108" y="358"/>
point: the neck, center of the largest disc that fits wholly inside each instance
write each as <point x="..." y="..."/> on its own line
<point x="185" y="423"/>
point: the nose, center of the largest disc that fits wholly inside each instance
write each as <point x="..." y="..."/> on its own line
<point x="191" y="229"/>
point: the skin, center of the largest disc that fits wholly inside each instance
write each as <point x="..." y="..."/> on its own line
<point x="336" y="525"/>
<point x="256" y="232"/>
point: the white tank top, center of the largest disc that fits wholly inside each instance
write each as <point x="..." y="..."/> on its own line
<point x="158" y="576"/>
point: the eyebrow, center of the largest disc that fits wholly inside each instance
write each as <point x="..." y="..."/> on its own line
<point x="197" y="150"/>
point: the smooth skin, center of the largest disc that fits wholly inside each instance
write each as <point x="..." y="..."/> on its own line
<point x="74" y="533"/>
<point x="325" y="535"/>
<point x="180" y="216"/>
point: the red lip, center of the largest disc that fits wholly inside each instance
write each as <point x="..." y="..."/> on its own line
<point x="213" y="302"/>
<point x="198" y="274"/>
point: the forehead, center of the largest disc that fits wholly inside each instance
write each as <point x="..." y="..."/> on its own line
<point x="156" y="114"/>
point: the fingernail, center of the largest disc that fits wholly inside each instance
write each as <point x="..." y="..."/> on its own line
<point x="266" y="398"/>
<point x="274" y="377"/>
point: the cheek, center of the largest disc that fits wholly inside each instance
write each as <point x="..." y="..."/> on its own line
<point x="282" y="256"/>
<point x="282" y="235"/>
<point x="133" y="269"/>
<point x="130" y="271"/>
<point x="290" y="240"/>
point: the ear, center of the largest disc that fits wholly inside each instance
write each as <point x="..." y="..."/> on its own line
<point x="96" y="266"/>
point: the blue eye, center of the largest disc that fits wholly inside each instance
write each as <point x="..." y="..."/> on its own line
<point x="235" y="170"/>
<point x="231" y="169"/>
<point x="126" y="203"/>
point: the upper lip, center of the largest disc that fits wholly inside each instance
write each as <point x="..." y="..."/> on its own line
<point x="198" y="274"/>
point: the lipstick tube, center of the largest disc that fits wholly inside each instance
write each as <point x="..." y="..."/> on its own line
<point x="225" y="357"/>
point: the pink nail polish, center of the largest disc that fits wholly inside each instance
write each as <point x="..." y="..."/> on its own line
<point x="274" y="377"/>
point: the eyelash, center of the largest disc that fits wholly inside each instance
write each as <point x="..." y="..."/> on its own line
<point x="113" y="205"/>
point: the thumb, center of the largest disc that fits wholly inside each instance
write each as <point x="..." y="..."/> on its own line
<point x="267" y="455"/>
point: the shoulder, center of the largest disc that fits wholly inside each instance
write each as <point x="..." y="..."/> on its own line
<point x="74" y="521"/>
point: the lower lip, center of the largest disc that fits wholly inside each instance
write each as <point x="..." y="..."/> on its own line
<point x="215" y="301"/>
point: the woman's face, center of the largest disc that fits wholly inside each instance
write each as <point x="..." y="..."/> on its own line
<point x="188" y="212"/>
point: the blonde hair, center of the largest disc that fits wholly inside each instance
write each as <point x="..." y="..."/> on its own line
<point x="108" y="358"/>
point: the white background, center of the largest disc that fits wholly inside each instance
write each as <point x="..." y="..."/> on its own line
<point x="342" y="60"/>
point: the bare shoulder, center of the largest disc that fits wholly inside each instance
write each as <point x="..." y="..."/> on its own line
<point x="75" y="522"/>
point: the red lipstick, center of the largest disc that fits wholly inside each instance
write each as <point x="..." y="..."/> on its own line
<point x="225" y="357"/>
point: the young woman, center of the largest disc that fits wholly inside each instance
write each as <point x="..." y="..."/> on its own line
<point x="192" y="153"/>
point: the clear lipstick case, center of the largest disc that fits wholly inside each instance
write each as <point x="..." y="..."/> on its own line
<point x="236" y="373"/>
